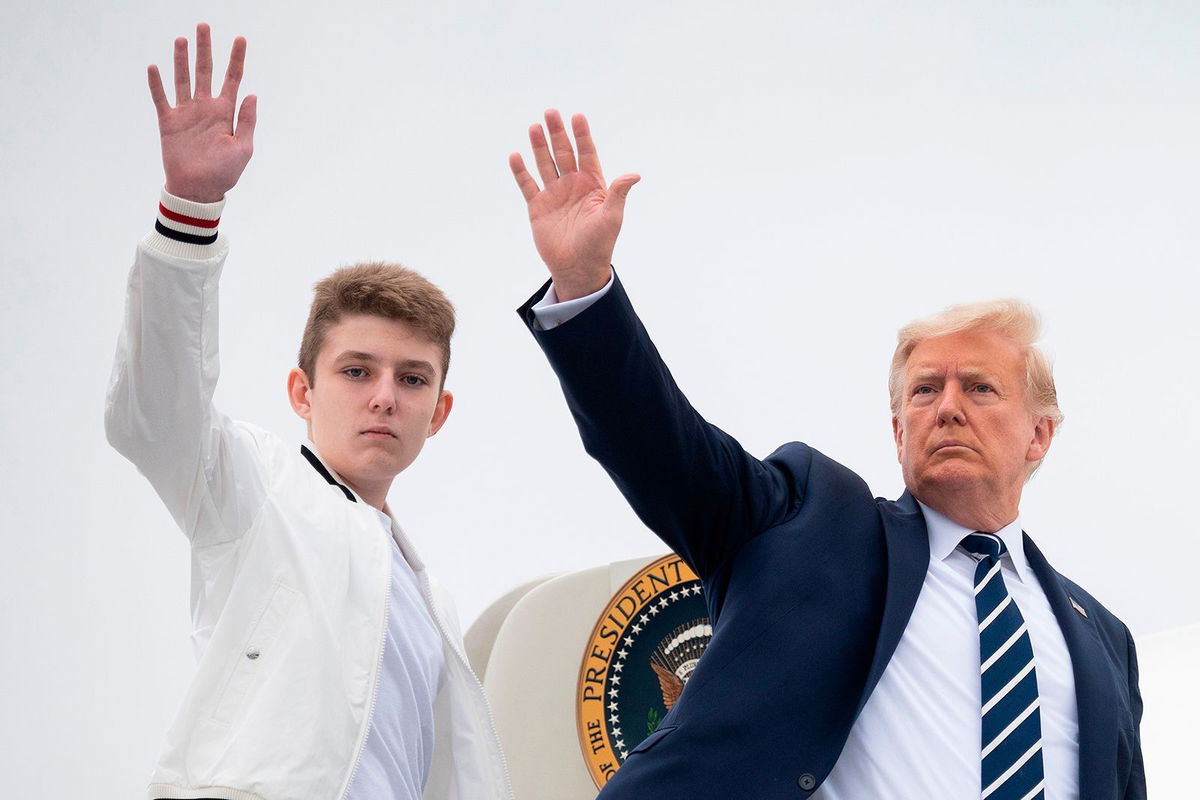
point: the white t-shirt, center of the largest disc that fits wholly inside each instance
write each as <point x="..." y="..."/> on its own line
<point x="395" y="760"/>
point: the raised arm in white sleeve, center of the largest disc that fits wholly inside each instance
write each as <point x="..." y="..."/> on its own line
<point x="159" y="412"/>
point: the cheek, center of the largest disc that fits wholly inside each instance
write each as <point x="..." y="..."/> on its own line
<point x="424" y="410"/>
<point x="333" y="414"/>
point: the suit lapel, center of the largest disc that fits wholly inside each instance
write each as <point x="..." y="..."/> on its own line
<point x="908" y="561"/>
<point x="1095" y="693"/>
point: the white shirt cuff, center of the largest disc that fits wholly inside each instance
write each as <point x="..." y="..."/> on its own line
<point x="549" y="313"/>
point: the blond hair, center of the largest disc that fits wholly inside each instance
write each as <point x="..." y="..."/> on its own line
<point x="383" y="290"/>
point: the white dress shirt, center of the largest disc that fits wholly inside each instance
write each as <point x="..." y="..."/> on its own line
<point x="918" y="735"/>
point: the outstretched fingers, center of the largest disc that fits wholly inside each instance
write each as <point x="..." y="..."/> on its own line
<point x="525" y="181"/>
<point x="156" y="90"/>
<point x="203" y="62"/>
<point x="247" y="117"/>
<point x="183" y="76"/>
<point x="564" y="153"/>
<point x="541" y="154"/>
<point x="233" y="73"/>
<point x="550" y="165"/>
<point x="589" y="160"/>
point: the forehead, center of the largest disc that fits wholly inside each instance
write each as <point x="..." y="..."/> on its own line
<point x="386" y="339"/>
<point x="976" y="351"/>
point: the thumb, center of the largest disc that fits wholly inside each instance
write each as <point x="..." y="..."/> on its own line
<point x="619" y="189"/>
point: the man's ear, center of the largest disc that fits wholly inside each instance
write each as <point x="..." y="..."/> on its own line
<point x="1039" y="444"/>
<point x="298" y="389"/>
<point x="898" y="435"/>
<point x="440" y="412"/>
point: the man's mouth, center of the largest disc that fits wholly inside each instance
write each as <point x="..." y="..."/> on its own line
<point x="379" y="432"/>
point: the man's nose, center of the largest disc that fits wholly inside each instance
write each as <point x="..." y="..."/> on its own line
<point x="383" y="398"/>
<point x="950" y="406"/>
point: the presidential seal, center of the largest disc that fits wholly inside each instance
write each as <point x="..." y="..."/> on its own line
<point x="642" y="651"/>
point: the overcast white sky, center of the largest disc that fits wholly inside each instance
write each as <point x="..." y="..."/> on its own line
<point x="814" y="175"/>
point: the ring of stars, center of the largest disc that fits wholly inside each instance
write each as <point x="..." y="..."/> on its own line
<point x="613" y="678"/>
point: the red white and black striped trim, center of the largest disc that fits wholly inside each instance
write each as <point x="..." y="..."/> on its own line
<point x="187" y="221"/>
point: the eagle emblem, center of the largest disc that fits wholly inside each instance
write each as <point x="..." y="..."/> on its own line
<point x="676" y="657"/>
<point x="645" y="647"/>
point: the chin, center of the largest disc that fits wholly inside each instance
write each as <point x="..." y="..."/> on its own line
<point x="377" y="467"/>
<point x="946" y="478"/>
<point x="390" y="465"/>
<point x="359" y="465"/>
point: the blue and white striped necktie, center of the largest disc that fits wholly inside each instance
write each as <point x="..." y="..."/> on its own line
<point x="1011" y="743"/>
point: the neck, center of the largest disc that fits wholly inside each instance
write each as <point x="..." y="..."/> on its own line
<point x="986" y="514"/>
<point x="373" y="494"/>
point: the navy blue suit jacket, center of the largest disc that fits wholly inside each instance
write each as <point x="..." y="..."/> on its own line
<point x="809" y="579"/>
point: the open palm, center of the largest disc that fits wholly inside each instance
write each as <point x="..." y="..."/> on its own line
<point x="203" y="156"/>
<point x="575" y="216"/>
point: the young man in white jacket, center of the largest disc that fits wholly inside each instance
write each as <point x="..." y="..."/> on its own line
<point x="328" y="667"/>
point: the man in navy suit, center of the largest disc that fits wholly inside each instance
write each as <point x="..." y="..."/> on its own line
<point x="862" y="648"/>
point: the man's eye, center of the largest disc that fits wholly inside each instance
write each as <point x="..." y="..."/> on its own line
<point x="923" y="390"/>
<point x="354" y="372"/>
<point x="982" y="388"/>
<point x="414" y="380"/>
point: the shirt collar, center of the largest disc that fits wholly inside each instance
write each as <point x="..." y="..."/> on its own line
<point x="945" y="535"/>
<point x="309" y="451"/>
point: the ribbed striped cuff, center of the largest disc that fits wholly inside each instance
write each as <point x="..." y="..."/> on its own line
<point x="165" y="791"/>
<point x="186" y="228"/>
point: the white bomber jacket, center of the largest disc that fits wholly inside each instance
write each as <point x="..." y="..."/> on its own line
<point x="290" y="579"/>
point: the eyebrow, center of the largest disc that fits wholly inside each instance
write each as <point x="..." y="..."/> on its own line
<point x="979" y="374"/>
<point x="355" y="355"/>
<point x="969" y="373"/>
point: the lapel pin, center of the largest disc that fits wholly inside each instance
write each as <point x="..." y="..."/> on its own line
<point x="1075" y="605"/>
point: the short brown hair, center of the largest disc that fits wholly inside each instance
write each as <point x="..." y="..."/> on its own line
<point x="383" y="290"/>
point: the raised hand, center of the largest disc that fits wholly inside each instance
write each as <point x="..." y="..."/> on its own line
<point x="203" y="156"/>
<point x="575" y="216"/>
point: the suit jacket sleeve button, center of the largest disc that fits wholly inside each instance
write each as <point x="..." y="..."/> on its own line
<point x="806" y="782"/>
